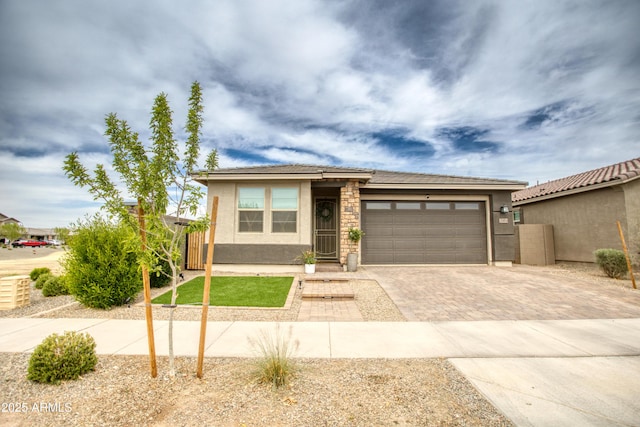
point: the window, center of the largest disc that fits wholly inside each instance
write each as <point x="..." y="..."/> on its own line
<point x="284" y="210"/>
<point x="413" y="206"/>
<point x="251" y="210"/>
<point x="468" y="206"/>
<point x="438" y="206"/>
<point x="378" y="205"/>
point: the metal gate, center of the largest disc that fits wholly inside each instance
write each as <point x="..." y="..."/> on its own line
<point x="326" y="228"/>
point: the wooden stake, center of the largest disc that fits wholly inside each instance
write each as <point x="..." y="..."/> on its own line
<point x="207" y="285"/>
<point x="626" y="254"/>
<point x="147" y="297"/>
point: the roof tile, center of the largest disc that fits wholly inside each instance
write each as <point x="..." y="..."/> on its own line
<point x="622" y="172"/>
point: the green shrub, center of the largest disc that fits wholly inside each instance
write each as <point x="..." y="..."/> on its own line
<point x="161" y="278"/>
<point x="612" y="261"/>
<point x="37" y="272"/>
<point x="62" y="357"/>
<point x="55" y="286"/>
<point x="275" y="352"/>
<point x="42" y="280"/>
<point x="102" y="263"/>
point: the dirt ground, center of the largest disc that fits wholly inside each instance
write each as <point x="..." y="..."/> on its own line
<point x="23" y="260"/>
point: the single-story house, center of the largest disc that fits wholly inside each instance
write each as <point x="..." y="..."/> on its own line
<point x="584" y="208"/>
<point x="270" y="214"/>
<point x="8" y="220"/>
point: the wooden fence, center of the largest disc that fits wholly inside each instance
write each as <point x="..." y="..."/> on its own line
<point x="195" y="250"/>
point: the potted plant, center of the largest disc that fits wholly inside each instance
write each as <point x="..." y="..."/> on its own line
<point x="309" y="259"/>
<point x="355" y="234"/>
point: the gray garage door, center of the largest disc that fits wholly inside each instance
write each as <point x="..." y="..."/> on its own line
<point x="399" y="232"/>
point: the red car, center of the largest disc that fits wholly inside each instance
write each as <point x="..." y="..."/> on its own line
<point x="33" y="243"/>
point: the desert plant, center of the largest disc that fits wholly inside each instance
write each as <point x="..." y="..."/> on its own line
<point x="612" y="261"/>
<point x="62" y="357"/>
<point x="158" y="178"/>
<point x="42" y="279"/>
<point x="275" y="352"/>
<point x="355" y="234"/>
<point x="307" y="257"/>
<point x="102" y="263"/>
<point x="54" y="286"/>
<point x="36" y="272"/>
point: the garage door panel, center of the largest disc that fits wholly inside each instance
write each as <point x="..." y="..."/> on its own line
<point x="409" y="244"/>
<point x="424" y="232"/>
<point x="378" y="244"/>
<point x="409" y="232"/>
<point x="404" y="257"/>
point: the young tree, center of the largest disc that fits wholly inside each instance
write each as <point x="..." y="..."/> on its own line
<point x="62" y="233"/>
<point x="12" y="231"/>
<point x="158" y="179"/>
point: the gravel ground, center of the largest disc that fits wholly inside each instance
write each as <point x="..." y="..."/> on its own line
<point x="372" y="301"/>
<point x="427" y="392"/>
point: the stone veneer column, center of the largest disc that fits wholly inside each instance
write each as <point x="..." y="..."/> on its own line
<point x="349" y="216"/>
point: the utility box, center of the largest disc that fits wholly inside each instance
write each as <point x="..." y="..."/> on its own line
<point x="14" y="292"/>
<point x="534" y="244"/>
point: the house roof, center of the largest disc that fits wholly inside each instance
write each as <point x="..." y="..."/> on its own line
<point x="5" y="219"/>
<point x="607" y="176"/>
<point x="371" y="178"/>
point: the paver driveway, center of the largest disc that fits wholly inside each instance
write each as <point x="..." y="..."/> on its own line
<point x="448" y="293"/>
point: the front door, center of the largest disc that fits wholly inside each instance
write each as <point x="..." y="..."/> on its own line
<point x="326" y="228"/>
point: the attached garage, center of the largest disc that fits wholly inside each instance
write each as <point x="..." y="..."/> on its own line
<point x="407" y="217"/>
<point x="424" y="232"/>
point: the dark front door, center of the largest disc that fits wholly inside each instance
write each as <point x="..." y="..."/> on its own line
<point x="326" y="228"/>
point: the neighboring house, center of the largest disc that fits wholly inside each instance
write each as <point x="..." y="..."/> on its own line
<point x="41" y="233"/>
<point x="7" y="220"/>
<point x="269" y="214"/>
<point x="584" y="208"/>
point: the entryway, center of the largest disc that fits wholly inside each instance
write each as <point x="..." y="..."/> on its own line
<point x="326" y="222"/>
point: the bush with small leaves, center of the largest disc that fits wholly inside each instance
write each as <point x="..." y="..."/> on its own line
<point x="101" y="265"/>
<point x="42" y="279"/>
<point x="162" y="277"/>
<point x="612" y="262"/>
<point x="55" y="286"/>
<point x="62" y="357"/>
<point x="37" y="272"/>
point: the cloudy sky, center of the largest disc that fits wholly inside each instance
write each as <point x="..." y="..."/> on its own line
<point x="527" y="90"/>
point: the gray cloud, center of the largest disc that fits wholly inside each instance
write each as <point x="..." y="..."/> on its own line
<point x="521" y="90"/>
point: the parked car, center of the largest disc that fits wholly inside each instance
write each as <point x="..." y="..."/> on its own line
<point x="54" y="242"/>
<point x="32" y="243"/>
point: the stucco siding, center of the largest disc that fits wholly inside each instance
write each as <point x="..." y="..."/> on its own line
<point x="227" y="229"/>
<point x="632" y="200"/>
<point x="582" y="222"/>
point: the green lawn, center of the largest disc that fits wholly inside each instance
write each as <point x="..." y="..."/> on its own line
<point x="237" y="291"/>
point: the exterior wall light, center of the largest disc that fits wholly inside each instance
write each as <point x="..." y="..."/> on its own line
<point x="504" y="209"/>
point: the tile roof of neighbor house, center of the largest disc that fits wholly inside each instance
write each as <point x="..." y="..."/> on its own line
<point x="372" y="176"/>
<point x="585" y="181"/>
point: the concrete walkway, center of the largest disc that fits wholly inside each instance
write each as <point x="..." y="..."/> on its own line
<point x="538" y="373"/>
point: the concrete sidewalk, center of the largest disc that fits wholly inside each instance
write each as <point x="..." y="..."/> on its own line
<point x="544" y="372"/>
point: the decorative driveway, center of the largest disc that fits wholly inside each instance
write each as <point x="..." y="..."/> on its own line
<point x="452" y="293"/>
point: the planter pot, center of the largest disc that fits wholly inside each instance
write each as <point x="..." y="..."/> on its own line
<point x="309" y="268"/>
<point x="352" y="261"/>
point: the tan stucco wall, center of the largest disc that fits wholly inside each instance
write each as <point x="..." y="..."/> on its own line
<point x="581" y="222"/>
<point x="227" y="223"/>
<point x="632" y="233"/>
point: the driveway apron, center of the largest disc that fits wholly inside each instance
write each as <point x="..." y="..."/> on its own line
<point x="469" y="293"/>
